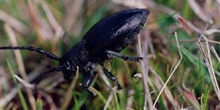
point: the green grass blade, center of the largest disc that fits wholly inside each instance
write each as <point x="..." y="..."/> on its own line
<point x="76" y="103"/>
<point x="205" y="98"/>
<point x="196" y="62"/>
<point x="116" y="102"/>
<point x="21" y="96"/>
<point x="39" y="104"/>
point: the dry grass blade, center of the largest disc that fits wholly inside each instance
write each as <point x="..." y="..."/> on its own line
<point x="165" y="84"/>
<point x="68" y="95"/>
<point x="129" y="104"/>
<point x="26" y="84"/>
<point x="5" y="100"/>
<point x="142" y="51"/>
<point x="200" y="12"/>
<point x="43" y="30"/>
<point x="17" y="25"/>
<point x="211" y="31"/>
<point x="13" y="92"/>
<point x="166" y="89"/>
<point x="208" y="61"/>
<point x="49" y="100"/>
<point x="58" y="29"/>
<point x="96" y="92"/>
<point x="191" y="97"/>
<point x="211" y="41"/>
<point x="110" y="98"/>
<point x="214" y="52"/>
<point x="74" y="8"/>
<point x="54" y="83"/>
<point x="20" y="62"/>
<point x="131" y="3"/>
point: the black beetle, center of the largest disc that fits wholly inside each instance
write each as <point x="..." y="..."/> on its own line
<point x="103" y="41"/>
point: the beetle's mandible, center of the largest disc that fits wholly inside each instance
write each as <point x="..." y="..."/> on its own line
<point x="103" y="41"/>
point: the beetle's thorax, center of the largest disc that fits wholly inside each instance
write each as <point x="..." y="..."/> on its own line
<point x="76" y="56"/>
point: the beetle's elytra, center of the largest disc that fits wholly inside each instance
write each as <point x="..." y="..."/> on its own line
<point x="103" y="41"/>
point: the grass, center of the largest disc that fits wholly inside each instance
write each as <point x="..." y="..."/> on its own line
<point x="179" y="45"/>
<point x="20" y="94"/>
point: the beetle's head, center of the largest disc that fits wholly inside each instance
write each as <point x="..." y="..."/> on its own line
<point x="69" y="70"/>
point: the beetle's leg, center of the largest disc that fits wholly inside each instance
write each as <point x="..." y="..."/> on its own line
<point x="111" y="77"/>
<point x="89" y="76"/>
<point x="124" y="57"/>
<point x="88" y="79"/>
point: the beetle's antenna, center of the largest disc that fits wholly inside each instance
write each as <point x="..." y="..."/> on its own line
<point x="46" y="73"/>
<point x="38" y="50"/>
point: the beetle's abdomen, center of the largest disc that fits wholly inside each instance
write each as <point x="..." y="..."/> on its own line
<point x="116" y="31"/>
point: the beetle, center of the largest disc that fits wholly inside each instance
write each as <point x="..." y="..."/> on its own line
<point x="103" y="41"/>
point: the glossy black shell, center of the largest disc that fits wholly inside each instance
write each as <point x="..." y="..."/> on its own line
<point x="115" y="32"/>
